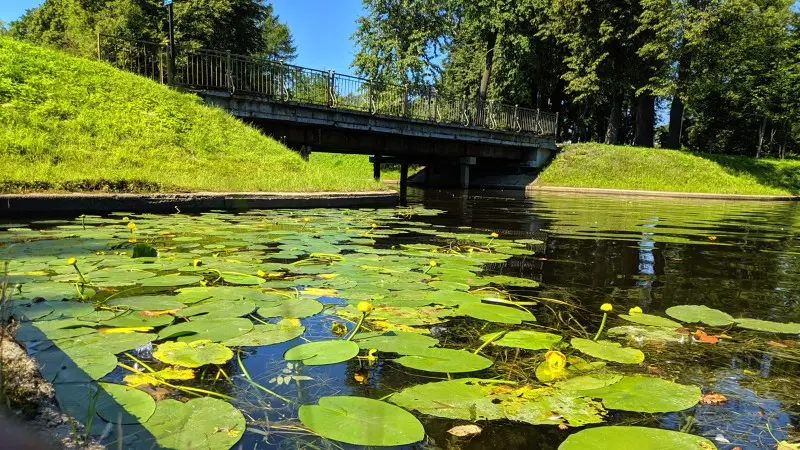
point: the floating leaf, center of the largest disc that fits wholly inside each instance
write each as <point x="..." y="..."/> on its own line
<point x="241" y="279"/>
<point x="219" y="308"/>
<point x="400" y="342"/>
<point x="130" y="319"/>
<point x="445" y="360"/>
<point x="123" y="404"/>
<point x="266" y="335"/>
<point x="496" y="313"/>
<point x="609" y="351"/>
<point x="51" y="330"/>
<point x="173" y="280"/>
<point x="511" y="281"/>
<point x="700" y="314"/>
<point x="74" y="365"/>
<point x="216" y="330"/>
<point x="640" y="438"/>
<point x="205" y="423"/>
<point x="448" y="286"/>
<point x="102" y="342"/>
<point x="645" y="333"/>
<point x="292" y="308"/>
<point x="170" y="373"/>
<point x="527" y="339"/>
<point x="766" y="325"/>
<point x="322" y="352"/>
<point x="361" y="421"/>
<point x="192" y="354"/>
<point x="647" y="394"/>
<point x="146" y="303"/>
<point x="144" y="251"/>
<point x="651" y="320"/>
<point x="465" y="430"/>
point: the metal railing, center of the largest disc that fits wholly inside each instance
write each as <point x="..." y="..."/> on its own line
<point x="239" y="74"/>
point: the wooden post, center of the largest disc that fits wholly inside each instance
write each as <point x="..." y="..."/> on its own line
<point x="403" y="179"/>
<point x="376" y="168"/>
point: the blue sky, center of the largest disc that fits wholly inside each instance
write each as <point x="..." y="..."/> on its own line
<point x="321" y="28"/>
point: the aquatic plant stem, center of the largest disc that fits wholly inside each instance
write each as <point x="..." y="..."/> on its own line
<point x="358" y="325"/>
<point x="490" y="340"/>
<point x="83" y="279"/>
<point x="190" y="390"/>
<point x="602" y="325"/>
<point x="247" y="376"/>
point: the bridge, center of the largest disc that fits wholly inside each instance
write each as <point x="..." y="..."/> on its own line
<point x="323" y="111"/>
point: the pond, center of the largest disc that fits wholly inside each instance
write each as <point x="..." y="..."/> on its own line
<point x="540" y="322"/>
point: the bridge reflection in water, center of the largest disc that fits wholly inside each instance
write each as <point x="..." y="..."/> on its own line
<point x="314" y="110"/>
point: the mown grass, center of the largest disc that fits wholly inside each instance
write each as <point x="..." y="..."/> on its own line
<point x="73" y="124"/>
<point x="618" y="167"/>
<point x="357" y="165"/>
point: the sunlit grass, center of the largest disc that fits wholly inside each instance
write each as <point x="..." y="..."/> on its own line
<point x="74" y="124"/>
<point x="618" y="167"/>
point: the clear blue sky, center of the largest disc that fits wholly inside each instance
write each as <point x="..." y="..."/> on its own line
<point x="321" y="28"/>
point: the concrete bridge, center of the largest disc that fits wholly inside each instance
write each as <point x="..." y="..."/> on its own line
<point x="322" y="111"/>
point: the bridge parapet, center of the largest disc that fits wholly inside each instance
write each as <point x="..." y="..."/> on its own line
<point x="257" y="77"/>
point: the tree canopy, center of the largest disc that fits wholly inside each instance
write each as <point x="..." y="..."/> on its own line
<point x="727" y="71"/>
<point x="240" y="26"/>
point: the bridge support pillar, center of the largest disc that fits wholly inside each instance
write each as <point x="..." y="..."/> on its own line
<point x="463" y="172"/>
<point x="403" y="179"/>
<point x="376" y="167"/>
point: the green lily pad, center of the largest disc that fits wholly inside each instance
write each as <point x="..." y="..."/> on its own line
<point x="216" y="330"/>
<point x="645" y="333"/>
<point x="640" y="438"/>
<point x="292" y="308"/>
<point x="123" y="404"/>
<point x="192" y="354"/>
<point x="449" y="286"/>
<point x="506" y="280"/>
<point x="527" y="339"/>
<point x="444" y="360"/>
<point x="147" y="303"/>
<point x="768" y="326"/>
<point x="700" y="314"/>
<point x="134" y="319"/>
<point x="322" y="352"/>
<point x="640" y="393"/>
<point x="361" y="421"/>
<point x="268" y="334"/>
<point x="609" y="351"/>
<point x="495" y="313"/>
<point x="401" y="342"/>
<point x="74" y="365"/>
<point x="142" y="250"/>
<point x="107" y="342"/>
<point x="650" y="320"/>
<point x="171" y="280"/>
<point x="68" y="309"/>
<point x="242" y="279"/>
<point x="206" y="423"/>
<point x="51" y="330"/>
<point x="219" y="308"/>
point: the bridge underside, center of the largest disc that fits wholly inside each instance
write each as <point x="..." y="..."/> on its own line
<point x="310" y="128"/>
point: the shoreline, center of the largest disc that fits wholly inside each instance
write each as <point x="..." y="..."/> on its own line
<point x="660" y="194"/>
<point x="83" y="203"/>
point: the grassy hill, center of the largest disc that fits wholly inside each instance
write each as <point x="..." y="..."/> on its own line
<point x="73" y="124"/>
<point x="618" y="167"/>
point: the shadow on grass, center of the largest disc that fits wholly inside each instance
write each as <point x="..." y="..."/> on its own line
<point x="778" y="174"/>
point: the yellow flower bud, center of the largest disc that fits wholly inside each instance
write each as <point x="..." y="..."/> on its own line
<point x="555" y="360"/>
<point x="72" y="261"/>
<point x="433" y="263"/>
<point x="495" y="235"/>
<point x="306" y="219"/>
<point x="131" y="226"/>
<point x="261" y="273"/>
<point x="197" y="262"/>
<point x="374" y="225"/>
<point x="606" y="307"/>
<point x="364" y="307"/>
<point x="635" y="310"/>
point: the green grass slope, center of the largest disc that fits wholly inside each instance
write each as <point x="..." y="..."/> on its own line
<point x="73" y="124"/>
<point x="618" y="167"/>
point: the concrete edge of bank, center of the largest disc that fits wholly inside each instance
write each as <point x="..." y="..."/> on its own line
<point x="661" y="194"/>
<point x="96" y="203"/>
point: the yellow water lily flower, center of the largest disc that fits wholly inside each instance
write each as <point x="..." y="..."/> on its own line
<point x="306" y="219"/>
<point x="374" y="225"/>
<point x="635" y="310"/>
<point x="261" y="273"/>
<point x="433" y="263"/>
<point x="371" y="358"/>
<point x="556" y="360"/>
<point x="364" y="307"/>
<point x="72" y="261"/>
<point x="495" y="235"/>
<point x="606" y="307"/>
<point x="131" y="226"/>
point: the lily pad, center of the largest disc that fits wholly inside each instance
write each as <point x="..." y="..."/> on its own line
<point x="496" y="313"/>
<point x="700" y="314"/>
<point x="401" y="342"/>
<point x="640" y="438"/>
<point x="647" y="394"/>
<point x="645" y="333"/>
<point x="123" y="404"/>
<point x="322" y="352"/>
<point x="265" y="335"/>
<point x="292" y="308"/>
<point x="362" y="421"/>
<point x="147" y="303"/>
<point x="445" y="361"/>
<point x="219" y="308"/>
<point x="173" y="280"/>
<point x="768" y="326"/>
<point x="650" y="320"/>
<point x="51" y="330"/>
<point x="242" y="279"/>
<point x="74" y="365"/>
<point x="192" y="354"/>
<point x="205" y="423"/>
<point x="609" y="351"/>
<point x="102" y="342"/>
<point x="506" y="280"/>
<point x="216" y="330"/>
<point x="527" y="339"/>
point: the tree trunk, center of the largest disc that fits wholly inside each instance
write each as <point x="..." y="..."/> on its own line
<point x="675" y="124"/>
<point x="483" y="90"/>
<point x="785" y="140"/>
<point x="761" y="130"/>
<point x="614" y="120"/>
<point x="645" y="120"/>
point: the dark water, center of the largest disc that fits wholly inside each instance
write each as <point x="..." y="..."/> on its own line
<point x="740" y="257"/>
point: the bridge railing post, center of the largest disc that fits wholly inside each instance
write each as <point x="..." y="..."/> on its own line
<point x="405" y="100"/>
<point x="330" y="87"/>
<point x="282" y="79"/>
<point x="229" y="73"/>
<point x="370" y="101"/>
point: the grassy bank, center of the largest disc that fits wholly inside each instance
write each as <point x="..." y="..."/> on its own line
<point x="73" y="124"/>
<point x="618" y="167"/>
